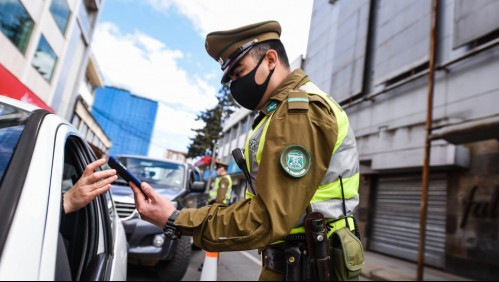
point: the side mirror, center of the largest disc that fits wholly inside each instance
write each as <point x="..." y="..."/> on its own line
<point x="198" y="187"/>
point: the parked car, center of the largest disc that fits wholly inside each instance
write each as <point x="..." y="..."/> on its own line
<point x="147" y="245"/>
<point x="41" y="156"/>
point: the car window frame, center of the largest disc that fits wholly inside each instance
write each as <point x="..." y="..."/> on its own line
<point x="11" y="186"/>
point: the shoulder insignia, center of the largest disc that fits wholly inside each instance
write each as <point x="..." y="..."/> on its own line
<point x="272" y="106"/>
<point x="298" y="101"/>
<point x="296" y="161"/>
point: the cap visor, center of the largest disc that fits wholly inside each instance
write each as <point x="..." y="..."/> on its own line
<point x="225" y="76"/>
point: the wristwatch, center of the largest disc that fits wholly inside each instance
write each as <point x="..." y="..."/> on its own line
<point x="170" y="230"/>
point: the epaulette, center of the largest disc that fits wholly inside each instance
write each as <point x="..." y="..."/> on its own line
<point x="318" y="99"/>
<point x="298" y="101"/>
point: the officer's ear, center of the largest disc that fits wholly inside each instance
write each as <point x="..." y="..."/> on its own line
<point x="272" y="58"/>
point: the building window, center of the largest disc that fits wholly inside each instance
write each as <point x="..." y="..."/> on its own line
<point x="44" y="59"/>
<point x="90" y="137"/>
<point x="83" y="129"/>
<point x="60" y="11"/>
<point x="15" y="23"/>
<point x="76" y="121"/>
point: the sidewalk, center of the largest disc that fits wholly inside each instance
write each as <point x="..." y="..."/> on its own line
<point x="378" y="267"/>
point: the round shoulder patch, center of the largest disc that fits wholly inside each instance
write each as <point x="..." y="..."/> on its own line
<point x="296" y="160"/>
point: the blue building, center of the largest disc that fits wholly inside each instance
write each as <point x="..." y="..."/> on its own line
<point x="126" y="118"/>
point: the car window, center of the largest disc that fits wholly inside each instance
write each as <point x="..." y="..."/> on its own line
<point x="162" y="174"/>
<point x="12" y="121"/>
<point x="86" y="232"/>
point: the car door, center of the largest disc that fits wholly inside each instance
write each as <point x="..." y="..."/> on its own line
<point x="88" y="234"/>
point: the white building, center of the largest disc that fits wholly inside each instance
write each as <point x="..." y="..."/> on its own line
<point x="44" y="50"/>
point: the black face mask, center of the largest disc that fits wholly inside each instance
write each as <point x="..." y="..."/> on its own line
<point x="246" y="91"/>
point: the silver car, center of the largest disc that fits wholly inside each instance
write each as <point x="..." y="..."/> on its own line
<point x="147" y="245"/>
<point x="41" y="156"/>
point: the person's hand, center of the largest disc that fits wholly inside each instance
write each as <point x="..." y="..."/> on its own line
<point x="90" y="185"/>
<point x="152" y="206"/>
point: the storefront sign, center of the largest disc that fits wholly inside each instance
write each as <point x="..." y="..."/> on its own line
<point x="10" y="86"/>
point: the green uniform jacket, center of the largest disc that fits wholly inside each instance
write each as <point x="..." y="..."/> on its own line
<point x="281" y="199"/>
<point x="222" y="190"/>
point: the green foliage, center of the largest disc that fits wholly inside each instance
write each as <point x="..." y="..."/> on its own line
<point x="214" y="119"/>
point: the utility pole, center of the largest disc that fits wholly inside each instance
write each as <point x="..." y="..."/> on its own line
<point x="427" y="148"/>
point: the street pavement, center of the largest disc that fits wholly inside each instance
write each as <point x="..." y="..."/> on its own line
<point x="246" y="266"/>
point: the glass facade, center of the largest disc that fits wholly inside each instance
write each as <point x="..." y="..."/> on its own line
<point x="127" y="119"/>
<point x="45" y="59"/>
<point x="61" y="12"/>
<point x="15" y="23"/>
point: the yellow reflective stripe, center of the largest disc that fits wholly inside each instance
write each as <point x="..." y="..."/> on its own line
<point x="338" y="224"/>
<point x="262" y="140"/>
<point x="333" y="190"/>
<point x="341" y="117"/>
<point x="248" y="195"/>
<point x="332" y="225"/>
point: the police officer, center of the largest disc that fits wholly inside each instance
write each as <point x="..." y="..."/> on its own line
<point x="222" y="189"/>
<point x="301" y="154"/>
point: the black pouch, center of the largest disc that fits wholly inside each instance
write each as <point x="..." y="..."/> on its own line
<point x="347" y="256"/>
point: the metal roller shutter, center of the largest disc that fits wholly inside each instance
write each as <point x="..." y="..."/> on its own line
<point x="395" y="222"/>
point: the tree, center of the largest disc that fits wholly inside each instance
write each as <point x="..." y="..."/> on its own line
<point x="214" y="119"/>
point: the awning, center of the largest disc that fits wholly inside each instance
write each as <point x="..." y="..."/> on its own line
<point x="469" y="131"/>
<point x="10" y="86"/>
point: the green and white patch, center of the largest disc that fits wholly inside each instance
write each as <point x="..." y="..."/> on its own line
<point x="296" y="161"/>
<point x="272" y="107"/>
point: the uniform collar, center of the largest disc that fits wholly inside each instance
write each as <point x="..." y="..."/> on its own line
<point x="294" y="80"/>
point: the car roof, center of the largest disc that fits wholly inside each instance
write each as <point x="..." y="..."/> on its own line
<point x="150" y="158"/>
<point x="18" y="104"/>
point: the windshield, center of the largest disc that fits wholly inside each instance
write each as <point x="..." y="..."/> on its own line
<point x="160" y="174"/>
<point x="12" y="121"/>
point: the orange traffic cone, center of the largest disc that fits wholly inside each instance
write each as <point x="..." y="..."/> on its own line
<point x="210" y="265"/>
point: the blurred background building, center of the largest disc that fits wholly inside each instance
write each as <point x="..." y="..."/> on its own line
<point x="373" y="58"/>
<point x="131" y="132"/>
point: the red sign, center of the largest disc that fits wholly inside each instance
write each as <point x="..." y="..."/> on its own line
<point x="10" y="86"/>
<point x="204" y="161"/>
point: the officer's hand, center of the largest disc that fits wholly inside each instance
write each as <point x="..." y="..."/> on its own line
<point x="90" y="185"/>
<point x="152" y="206"/>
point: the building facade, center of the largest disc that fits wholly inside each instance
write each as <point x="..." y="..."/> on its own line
<point x="82" y="117"/>
<point x="373" y="57"/>
<point x="176" y="155"/>
<point x="127" y="119"/>
<point x="44" y="50"/>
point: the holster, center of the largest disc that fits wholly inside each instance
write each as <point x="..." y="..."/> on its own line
<point x="318" y="246"/>
<point x="290" y="260"/>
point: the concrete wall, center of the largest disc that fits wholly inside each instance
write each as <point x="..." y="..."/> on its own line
<point x="390" y="127"/>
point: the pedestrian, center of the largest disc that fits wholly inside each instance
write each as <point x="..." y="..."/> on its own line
<point x="222" y="188"/>
<point x="301" y="155"/>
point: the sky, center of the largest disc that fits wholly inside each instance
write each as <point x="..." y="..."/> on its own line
<point x="155" y="49"/>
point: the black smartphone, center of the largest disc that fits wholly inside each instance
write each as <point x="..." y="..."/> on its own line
<point x="123" y="171"/>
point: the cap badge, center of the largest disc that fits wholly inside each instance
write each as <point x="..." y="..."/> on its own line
<point x="296" y="161"/>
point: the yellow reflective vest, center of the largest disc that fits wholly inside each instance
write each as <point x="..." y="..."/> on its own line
<point x="343" y="168"/>
<point x="214" y="192"/>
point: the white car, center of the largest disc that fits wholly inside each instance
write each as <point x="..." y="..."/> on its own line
<point x="41" y="156"/>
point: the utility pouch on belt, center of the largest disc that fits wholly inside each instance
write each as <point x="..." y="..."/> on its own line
<point x="347" y="255"/>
